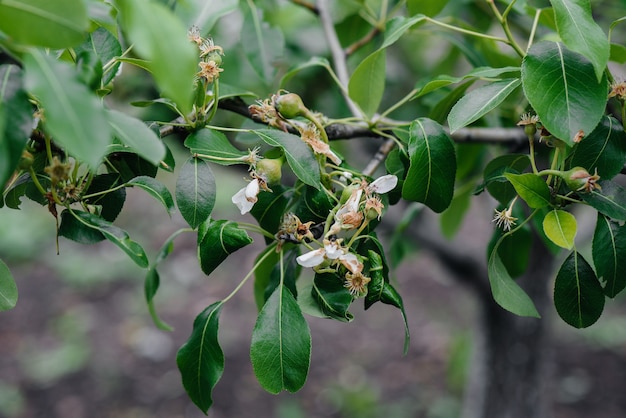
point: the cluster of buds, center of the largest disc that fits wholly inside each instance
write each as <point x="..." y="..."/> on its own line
<point x="210" y="55"/>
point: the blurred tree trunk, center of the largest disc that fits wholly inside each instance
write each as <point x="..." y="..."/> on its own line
<point x="511" y="371"/>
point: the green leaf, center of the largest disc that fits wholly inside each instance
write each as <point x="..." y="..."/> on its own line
<point x="50" y="24"/>
<point x="610" y="201"/>
<point x="263" y="45"/>
<point x="431" y="175"/>
<point x="299" y="155"/>
<point x="580" y="32"/>
<point x="217" y="240"/>
<point x="8" y="288"/>
<point x="105" y="46"/>
<point x="379" y="289"/>
<point x="162" y="40"/>
<point x="609" y="255"/>
<point x="74" y="116"/>
<point x="195" y="191"/>
<point x="266" y="263"/>
<point x="367" y="83"/>
<point x="134" y="133"/>
<point x="72" y="228"/>
<point x="604" y="149"/>
<point x="452" y="218"/>
<point x="560" y="227"/>
<point x="428" y="86"/>
<point x="270" y="207"/>
<point x="531" y="188"/>
<point x="578" y="296"/>
<point x="430" y="8"/>
<point x="479" y="102"/>
<point x="332" y="298"/>
<point x="213" y="146"/>
<point x="204" y="13"/>
<point x="14" y="130"/>
<point x="114" y="234"/>
<point x="513" y="249"/>
<point x="111" y="202"/>
<point x="495" y="181"/>
<point x="281" y="344"/>
<point x="397" y="26"/>
<point x="506" y="292"/>
<point x="313" y="205"/>
<point x="562" y="88"/>
<point x="201" y="360"/>
<point x="312" y="62"/>
<point x="156" y="189"/>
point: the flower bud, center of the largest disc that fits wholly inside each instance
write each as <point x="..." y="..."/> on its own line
<point x="290" y="105"/>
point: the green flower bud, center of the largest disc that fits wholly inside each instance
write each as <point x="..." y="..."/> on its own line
<point x="290" y="106"/>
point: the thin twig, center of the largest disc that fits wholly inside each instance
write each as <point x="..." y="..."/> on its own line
<point x="309" y="6"/>
<point x="361" y="42"/>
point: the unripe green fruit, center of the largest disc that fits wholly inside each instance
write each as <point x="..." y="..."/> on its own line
<point x="270" y="169"/>
<point x="347" y="192"/>
<point x="290" y="106"/>
<point x="216" y="57"/>
<point x="576" y="178"/>
<point x="26" y="160"/>
<point x="530" y="130"/>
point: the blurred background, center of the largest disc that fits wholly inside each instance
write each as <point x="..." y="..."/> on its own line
<point x="81" y="343"/>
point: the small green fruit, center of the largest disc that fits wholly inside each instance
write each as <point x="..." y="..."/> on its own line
<point x="270" y="169"/>
<point x="290" y="106"/>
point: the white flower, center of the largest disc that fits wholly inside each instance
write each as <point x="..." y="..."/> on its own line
<point x="247" y="197"/>
<point x="331" y="251"/>
<point x="383" y="184"/>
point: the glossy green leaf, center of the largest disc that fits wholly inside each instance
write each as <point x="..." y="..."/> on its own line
<point x="332" y="298"/>
<point x="494" y="179"/>
<point x="313" y="205"/>
<point x="530" y="187"/>
<point x="299" y="155"/>
<point x="428" y="86"/>
<point x="281" y="344"/>
<point x="105" y="46"/>
<point x="270" y="207"/>
<point x="195" y="191"/>
<point x="265" y="264"/>
<point x="604" y="149"/>
<point x="431" y="175"/>
<point x="51" y="24"/>
<point x="114" y="234"/>
<point x="162" y="40"/>
<point x="312" y="62"/>
<point x="204" y="13"/>
<point x="506" y="292"/>
<point x="513" y="249"/>
<point x="367" y="83"/>
<point x="397" y="26"/>
<point x="217" y="240"/>
<point x="16" y="119"/>
<point x="441" y="110"/>
<point x="580" y="32"/>
<point x="134" y="133"/>
<point x="609" y="255"/>
<point x="72" y="228"/>
<point x="610" y="201"/>
<point x="562" y="88"/>
<point x="8" y="288"/>
<point x="156" y="189"/>
<point x="213" y="145"/>
<point x="74" y="116"/>
<point x="111" y="202"/>
<point x="560" y="227"/>
<point x="379" y="289"/>
<point x="452" y="218"/>
<point x="479" y="102"/>
<point x="578" y="295"/>
<point x="201" y="360"/>
<point x="263" y="45"/>
<point x="430" y="8"/>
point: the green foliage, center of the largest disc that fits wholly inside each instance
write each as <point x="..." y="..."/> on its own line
<point x="70" y="142"/>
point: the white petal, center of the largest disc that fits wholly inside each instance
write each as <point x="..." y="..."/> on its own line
<point x="252" y="190"/>
<point x="333" y="251"/>
<point x="312" y="258"/>
<point x="351" y="262"/>
<point x="242" y="202"/>
<point x="333" y="157"/>
<point x="384" y="184"/>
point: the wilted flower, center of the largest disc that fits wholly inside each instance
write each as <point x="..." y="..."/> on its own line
<point x="331" y="251"/>
<point x="504" y="219"/>
<point x="579" y="179"/>
<point x="311" y="136"/>
<point x="618" y="90"/>
<point x="194" y="35"/>
<point x="382" y="184"/>
<point x="209" y="70"/>
<point x="356" y="283"/>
